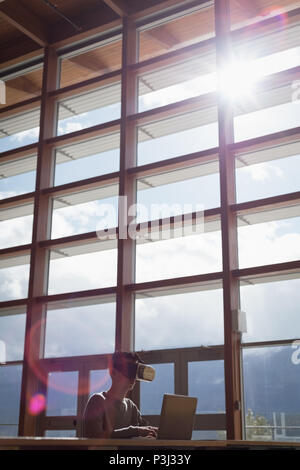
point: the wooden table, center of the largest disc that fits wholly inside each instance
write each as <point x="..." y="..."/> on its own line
<point x="46" y="443"/>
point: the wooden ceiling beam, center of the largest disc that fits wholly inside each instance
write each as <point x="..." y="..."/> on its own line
<point x="25" y="21"/>
<point x="161" y="35"/>
<point x="251" y="9"/>
<point x="118" y="6"/>
<point x="25" y="85"/>
<point x="91" y="64"/>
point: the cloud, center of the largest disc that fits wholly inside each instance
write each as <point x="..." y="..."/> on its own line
<point x="264" y="171"/>
<point x="30" y="134"/>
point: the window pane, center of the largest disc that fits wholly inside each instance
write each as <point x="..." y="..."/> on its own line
<point x="178" y="135"/>
<point x="207" y="383"/>
<point x="80" y="330"/>
<point x="272" y="388"/>
<point x="14" y="277"/>
<point x="89" y="109"/>
<point x="12" y="335"/>
<point x="19" y="130"/>
<point x="185" y="79"/>
<point x="271" y="309"/>
<point x="23" y="86"/>
<point x="10" y="390"/>
<point x="242" y="15"/>
<point x="151" y="393"/>
<point x="178" y="31"/>
<point x="100" y="381"/>
<point x="71" y="272"/>
<point x="17" y="176"/>
<point x="85" y="211"/>
<point x="268" y="172"/>
<point x="180" y="191"/>
<point x="178" y="321"/>
<point x="267" y="121"/>
<point x="91" y="62"/>
<point x="209" y="435"/>
<point x="182" y="256"/>
<point x="16" y="225"/>
<point x="269" y="237"/>
<point x="87" y="159"/>
<point x="62" y="393"/>
<point x="60" y="433"/>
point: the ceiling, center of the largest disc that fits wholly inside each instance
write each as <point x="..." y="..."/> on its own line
<point x="28" y="25"/>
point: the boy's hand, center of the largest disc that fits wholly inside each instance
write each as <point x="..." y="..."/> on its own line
<point x="147" y="431"/>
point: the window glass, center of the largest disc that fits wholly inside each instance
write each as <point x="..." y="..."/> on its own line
<point x="91" y="62"/>
<point x="179" y="320"/>
<point x="180" y="191"/>
<point x="100" y="381"/>
<point x="271" y="309"/>
<point x="268" y="172"/>
<point x="271" y="388"/>
<point x="178" y="135"/>
<point x="87" y="159"/>
<point x="60" y="433"/>
<point x="14" y="277"/>
<point x="269" y="237"/>
<point x="22" y="86"/>
<point x="88" y="109"/>
<point x="10" y="390"/>
<point x="73" y="269"/>
<point x="188" y="255"/>
<point x="16" y="225"/>
<point x="85" y="211"/>
<point x="151" y="393"/>
<point x="62" y="393"/>
<point x="206" y="382"/>
<point x="12" y="336"/>
<point x="81" y="330"/>
<point x="181" y="30"/>
<point x="243" y="14"/>
<point x="185" y="79"/>
<point x="17" y="176"/>
<point x="19" y="129"/>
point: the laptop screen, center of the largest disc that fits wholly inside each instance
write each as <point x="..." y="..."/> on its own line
<point x="177" y="417"/>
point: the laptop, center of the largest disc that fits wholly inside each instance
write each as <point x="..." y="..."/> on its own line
<point x="177" y="417"/>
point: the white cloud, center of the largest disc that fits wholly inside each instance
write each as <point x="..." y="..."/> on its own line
<point x="264" y="171"/>
<point x="31" y="134"/>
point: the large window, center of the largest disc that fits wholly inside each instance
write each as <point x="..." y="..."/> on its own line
<point x="149" y="186"/>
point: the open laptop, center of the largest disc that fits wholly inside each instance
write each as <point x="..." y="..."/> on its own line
<point x="177" y="417"/>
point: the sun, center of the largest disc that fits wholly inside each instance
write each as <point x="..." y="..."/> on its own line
<point x="237" y="80"/>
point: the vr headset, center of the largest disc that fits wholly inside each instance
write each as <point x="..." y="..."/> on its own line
<point x="132" y="366"/>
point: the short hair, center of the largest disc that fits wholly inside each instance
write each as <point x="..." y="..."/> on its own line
<point x="124" y="362"/>
<point x="120" y="356"/>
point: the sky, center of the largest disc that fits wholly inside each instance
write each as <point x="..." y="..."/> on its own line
<point x="178" y="320"/>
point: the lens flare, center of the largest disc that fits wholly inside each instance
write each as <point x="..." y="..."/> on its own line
<point x="37" y="404"/>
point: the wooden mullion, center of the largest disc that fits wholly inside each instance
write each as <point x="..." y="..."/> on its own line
<point x="179" y="107"/>
<point x="127" y="189"/>
<point x="276" y="268"/>
<point x="232" y="339"/>
<point x="83" y="134"/>
<point x="171" y="164"/>
<point x="266" y="141"/>
<point x="175" y="282"/>
<point x="34" y="332"/>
